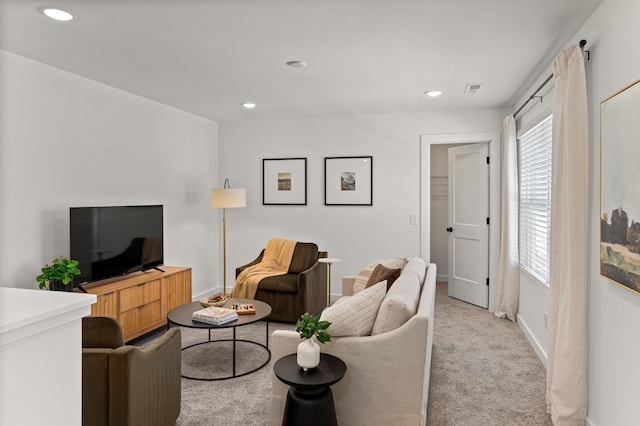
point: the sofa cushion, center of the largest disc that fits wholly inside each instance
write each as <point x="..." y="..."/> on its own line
<point x="363" y="277"/>
<point x="416" y="267"/>
<point x="355" y="315"/>
<point x="382" y="273"/>
<point x="401" y="301"/>
<point x="287" y="283"/>
<point x="304" y="257"/>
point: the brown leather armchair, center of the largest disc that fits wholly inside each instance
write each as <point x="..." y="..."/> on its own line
<point x="302" y="289"/>
<point x="129" y="385"/>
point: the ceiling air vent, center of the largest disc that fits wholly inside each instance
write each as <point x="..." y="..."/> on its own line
<point x="472" y="88"/>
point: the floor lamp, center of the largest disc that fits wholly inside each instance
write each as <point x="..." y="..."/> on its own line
<point x="227" y="198"/>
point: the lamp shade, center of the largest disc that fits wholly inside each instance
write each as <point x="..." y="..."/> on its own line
<point x="228" y="198"/>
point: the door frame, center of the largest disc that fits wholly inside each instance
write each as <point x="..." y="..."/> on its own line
<point x="493" y="138"/>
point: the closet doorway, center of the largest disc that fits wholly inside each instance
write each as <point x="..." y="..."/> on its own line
<point x="464" y="279"/>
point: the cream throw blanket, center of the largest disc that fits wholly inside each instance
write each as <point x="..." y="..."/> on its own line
<point x="275" y="261"/>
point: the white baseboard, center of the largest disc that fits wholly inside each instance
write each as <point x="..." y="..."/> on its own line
<point x="535" y="344"/>
<point x="442" y="277"/>
<point x="540" y="352"/>
<point x="206" y="293"/>
<point x="215" y="290"/>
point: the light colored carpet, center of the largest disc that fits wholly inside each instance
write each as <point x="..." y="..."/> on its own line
<point x="243" y="400"/>
<point x="483" y="373"/>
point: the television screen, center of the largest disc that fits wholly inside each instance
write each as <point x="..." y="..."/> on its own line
<point x="112" y="241"/>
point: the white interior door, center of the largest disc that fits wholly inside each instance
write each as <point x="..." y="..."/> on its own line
<point x="469" y="223"/>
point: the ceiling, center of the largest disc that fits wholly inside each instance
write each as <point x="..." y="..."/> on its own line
<point x="363" y="56"/>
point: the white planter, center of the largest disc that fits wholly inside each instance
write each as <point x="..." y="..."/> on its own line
<point x="308" y="354"/>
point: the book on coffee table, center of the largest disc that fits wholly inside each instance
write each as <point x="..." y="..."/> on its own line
<point x="215" y="315"/>
<point x="244" y="308"/>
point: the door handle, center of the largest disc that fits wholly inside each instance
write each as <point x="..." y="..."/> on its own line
<point x="449" y="229"/>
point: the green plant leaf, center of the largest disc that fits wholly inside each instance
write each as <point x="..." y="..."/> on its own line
<point x="61" y="269"/>
<point x="310" y="325"/>
<point x="323" y="337"/>
<point x="323" y="325"/>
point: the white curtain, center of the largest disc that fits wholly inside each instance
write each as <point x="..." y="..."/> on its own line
<point x="509" y="266"/>
<point x="567" y="346"/>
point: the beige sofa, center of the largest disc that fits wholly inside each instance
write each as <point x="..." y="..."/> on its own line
<point x="387" y="378"/>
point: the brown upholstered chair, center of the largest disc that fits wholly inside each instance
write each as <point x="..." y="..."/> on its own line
<point x="302" y="289"/>
<point x="128" y="385"/>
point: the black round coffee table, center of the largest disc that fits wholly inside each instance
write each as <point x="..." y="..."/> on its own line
<point x="309" y="400"/>
<point x="182" y="316"/>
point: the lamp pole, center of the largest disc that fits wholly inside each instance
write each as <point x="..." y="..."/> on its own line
<point x="224" y="252"/>
<point x="224" y="198"/>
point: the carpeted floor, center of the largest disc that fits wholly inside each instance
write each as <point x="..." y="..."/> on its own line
<point x="244" y="400"/>
<point x="483" y="373"/>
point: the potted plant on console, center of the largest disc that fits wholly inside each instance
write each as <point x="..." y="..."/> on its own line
<point x="309" y="326"/>
<point x="59" y="274"/>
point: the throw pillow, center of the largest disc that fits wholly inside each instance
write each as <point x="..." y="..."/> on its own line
<point x="363" y="277"/>
<point x="355" y="315"/>
<point x="382" y="273"/>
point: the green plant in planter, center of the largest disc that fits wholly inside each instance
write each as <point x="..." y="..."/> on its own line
<point x="61" y="269"/>
<point x="310" y="325"/>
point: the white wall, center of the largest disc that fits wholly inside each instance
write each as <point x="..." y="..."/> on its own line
<point x="532" y="306"/>
<point x="69" y="141"/>
<point x="357" y="235"/>
<point x="613" y="312"/>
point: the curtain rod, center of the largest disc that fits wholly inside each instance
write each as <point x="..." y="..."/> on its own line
<point x="533" y="96"/>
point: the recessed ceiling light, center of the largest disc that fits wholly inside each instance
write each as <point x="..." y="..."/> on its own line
<point x="433" y="93"/>
<point x="57" y="13"/>
<point x="249" y="105"/>
<point x="297" y="64"/>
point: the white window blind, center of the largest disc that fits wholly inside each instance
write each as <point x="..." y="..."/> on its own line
<point x="535" y="199"/>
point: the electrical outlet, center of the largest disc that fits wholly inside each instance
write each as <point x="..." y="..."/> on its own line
<point x="413" y="219"/>
<point x="546" y="320"/>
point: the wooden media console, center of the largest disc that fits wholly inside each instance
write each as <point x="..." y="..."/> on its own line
<point x="140" y="301"/>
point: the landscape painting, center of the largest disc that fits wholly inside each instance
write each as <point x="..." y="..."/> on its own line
<point x="348" y="181"/>
<point x="619" y="194"/>
<point x="284" y="181"/>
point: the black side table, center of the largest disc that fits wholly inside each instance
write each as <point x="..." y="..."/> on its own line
<point x="310" y="400"/>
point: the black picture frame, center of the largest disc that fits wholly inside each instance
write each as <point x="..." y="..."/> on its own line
<point x="284" y="181"/>
<point x="348" y="181"/>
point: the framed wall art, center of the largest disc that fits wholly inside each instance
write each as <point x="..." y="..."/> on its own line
<point x="284" y="181"/>
<point x="348" y="181"/>
<point x="619" y="177"/>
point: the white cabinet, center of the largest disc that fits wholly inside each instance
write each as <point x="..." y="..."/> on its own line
<point x="41" y="356"/>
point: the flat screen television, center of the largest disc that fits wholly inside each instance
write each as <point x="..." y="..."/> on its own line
<point x="113" y="241"/>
